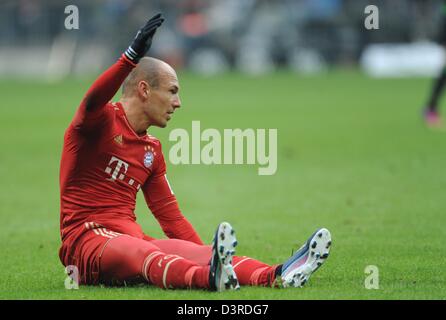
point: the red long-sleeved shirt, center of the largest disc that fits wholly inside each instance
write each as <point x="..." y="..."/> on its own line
<point x="105" y="163"/>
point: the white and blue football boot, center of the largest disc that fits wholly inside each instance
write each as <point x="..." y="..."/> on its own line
<point x="297" y="270"/>
<point x="221" y="274"/>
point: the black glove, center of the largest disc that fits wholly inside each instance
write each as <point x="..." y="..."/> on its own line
<point x="143" y="40"/>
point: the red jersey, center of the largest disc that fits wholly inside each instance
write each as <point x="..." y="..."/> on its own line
<point x="105" y="163"/>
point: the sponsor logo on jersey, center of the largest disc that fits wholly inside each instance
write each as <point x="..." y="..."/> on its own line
<point x="117" y="173"/>
<point x="118" y="139"/>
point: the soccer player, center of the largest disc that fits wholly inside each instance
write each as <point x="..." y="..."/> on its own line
<point x="108" y="156"/>
<point x="431" y="113"/>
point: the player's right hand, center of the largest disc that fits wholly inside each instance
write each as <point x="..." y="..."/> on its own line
<point x="143" y="39"/>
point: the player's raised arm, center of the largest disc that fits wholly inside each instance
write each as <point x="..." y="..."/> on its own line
<point x="106" y="86"/>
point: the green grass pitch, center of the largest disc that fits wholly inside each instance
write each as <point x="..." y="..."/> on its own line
<point x="353" y="156"/>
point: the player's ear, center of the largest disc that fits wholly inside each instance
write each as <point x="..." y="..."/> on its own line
<point x="143" y="89"/>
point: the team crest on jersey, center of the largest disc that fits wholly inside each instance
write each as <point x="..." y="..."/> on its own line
<point x="148" y="159"/>
<point x="149" y="156"/>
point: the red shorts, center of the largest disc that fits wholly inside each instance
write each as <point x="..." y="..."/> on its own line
<point x="89" y="242"/>
<point x="85" y="251"/>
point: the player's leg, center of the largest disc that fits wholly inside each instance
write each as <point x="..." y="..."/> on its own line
<point x="431" y="113"/>
<point x="201" y="254"/>
<point x="253" y="272"/>
<point x="248" y="270"/>
<point x="296" y="271"/>
<point x="437" y="89"/>
<point x="126" y="258"/>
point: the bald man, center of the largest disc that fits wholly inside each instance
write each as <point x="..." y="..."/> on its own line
<point x="108" y="156"/>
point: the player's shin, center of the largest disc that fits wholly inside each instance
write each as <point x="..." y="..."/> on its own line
<point x="253" y="272"/>
<point x="172" y="271"/>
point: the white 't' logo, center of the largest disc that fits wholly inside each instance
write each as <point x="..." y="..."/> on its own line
<point x="118" y="167"/>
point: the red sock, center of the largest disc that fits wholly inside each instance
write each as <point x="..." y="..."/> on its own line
<point x="253" y="272"/>
<point x="172" y="271"/>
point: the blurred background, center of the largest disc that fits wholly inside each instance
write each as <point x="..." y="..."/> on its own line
<point x="214" y="36"/>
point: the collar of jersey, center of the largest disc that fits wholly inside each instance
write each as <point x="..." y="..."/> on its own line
<point x="121" y="110"/>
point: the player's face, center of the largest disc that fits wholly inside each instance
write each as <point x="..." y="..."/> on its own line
<point x="164" y="100"/>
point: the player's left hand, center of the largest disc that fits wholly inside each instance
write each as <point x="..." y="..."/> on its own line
<point x="143" y="39"/>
